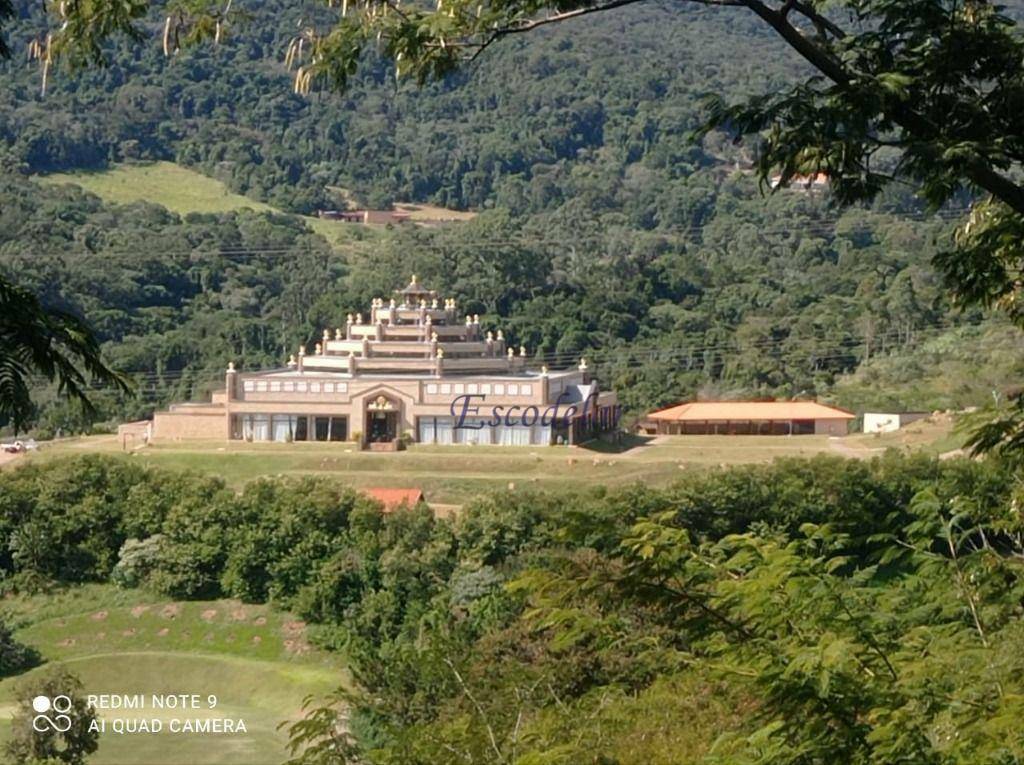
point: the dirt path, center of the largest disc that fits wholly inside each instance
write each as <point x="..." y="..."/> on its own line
<point x="854" y="452"/>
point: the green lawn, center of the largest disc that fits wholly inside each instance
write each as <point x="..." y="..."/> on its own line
<point x="451" y="475"/>
<point x="185" y="191"/>
<point x="255" y="660"/>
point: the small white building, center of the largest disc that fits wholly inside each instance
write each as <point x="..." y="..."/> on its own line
<point x="886" y="422"/>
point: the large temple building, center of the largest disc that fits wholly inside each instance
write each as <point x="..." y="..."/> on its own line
<point x="412" y="370"/>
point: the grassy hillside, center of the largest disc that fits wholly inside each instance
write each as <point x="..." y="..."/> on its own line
<point x="177" y="188"/>
<point x="255" y="660"/>
<point x="184" y="191"/>
<point x="453" y="474"/>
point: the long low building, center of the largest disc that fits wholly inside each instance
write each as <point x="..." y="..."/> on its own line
<point x="749" y="418"/>
<point x="410" y="371"/>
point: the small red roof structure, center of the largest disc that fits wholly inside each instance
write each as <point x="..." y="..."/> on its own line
<point x="392" y="499"/>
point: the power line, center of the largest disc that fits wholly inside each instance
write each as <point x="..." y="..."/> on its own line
<point x="820" y="226"/>
<point x="573" y="356"/>
<point x="156" y="386"/>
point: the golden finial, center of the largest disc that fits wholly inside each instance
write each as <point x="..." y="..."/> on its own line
<point x="413" y="279"/>
<point x="291" y="360"/>
<point x="231" y="366"/>
<point x="583" y="364"/>
<point x="522" y="350"/>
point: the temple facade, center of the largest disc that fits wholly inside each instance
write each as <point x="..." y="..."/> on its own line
<point x="412" y="370"/>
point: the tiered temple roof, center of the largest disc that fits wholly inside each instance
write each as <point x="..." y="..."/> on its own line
<point x="414" y="333"/>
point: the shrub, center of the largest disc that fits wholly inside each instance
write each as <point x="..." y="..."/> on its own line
<point x="15" y="657"/>
<point x="137" y="558"/>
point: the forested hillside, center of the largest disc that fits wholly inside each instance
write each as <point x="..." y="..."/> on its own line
<point x="605" y="228"/>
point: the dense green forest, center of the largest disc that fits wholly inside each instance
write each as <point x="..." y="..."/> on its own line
<point x="808" y="611"/>
<point x="606" y="229"/>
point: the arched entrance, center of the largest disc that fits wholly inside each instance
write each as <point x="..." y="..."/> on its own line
<point x="382" y="420"/>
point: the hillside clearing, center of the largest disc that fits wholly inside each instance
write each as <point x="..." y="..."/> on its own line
<point x="255" y="660"/>
<point x="181" y="191"/>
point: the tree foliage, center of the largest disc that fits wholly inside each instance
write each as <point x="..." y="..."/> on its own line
<point x="790" y="612"/>
<point x="29" y="746"/>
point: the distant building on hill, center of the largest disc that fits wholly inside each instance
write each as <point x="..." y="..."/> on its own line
<point x="818" y="181"/>
<point x="409" y="372"/>
<point x="886" y="422"/>
<point x="748" y="418"/>
<point x="365" y="216"/>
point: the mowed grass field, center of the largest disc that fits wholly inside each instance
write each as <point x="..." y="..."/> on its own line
<point x="184" y="191"/>
<point x="451" y="475"/>
<point x="256" y="661"/>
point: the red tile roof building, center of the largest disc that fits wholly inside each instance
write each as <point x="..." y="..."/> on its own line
<point x="750" y="418"/>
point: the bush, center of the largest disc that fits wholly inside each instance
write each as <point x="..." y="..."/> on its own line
<point x="136" y="560"/>
<point x="27" y="747"/>
<point x="15" y="657"/>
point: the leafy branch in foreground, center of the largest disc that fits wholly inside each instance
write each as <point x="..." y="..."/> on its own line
<point x="55" y="344"/>
<point x="905" y="655"/>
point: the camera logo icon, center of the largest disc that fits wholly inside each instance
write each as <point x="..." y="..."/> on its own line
<point x="51" y="714"/>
